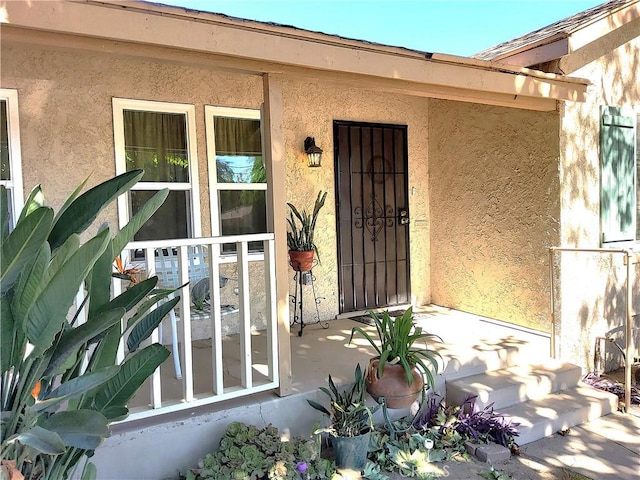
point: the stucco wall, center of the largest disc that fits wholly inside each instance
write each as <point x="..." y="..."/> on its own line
<point x="310" y="110"/>
<point x="590" y="298"/>
<point x="494" y="210"/>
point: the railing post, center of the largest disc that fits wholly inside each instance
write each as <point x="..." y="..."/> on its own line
<point x="628" y="331"/>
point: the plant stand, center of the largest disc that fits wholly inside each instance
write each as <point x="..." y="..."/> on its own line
<point x="302" y="279"/>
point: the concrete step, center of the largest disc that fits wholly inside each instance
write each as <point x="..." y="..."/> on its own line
<point x="512" y="385"/>
<point x="559" y="411"/>
<point x="474" y="359"/>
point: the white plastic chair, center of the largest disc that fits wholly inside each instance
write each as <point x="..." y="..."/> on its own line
<point x="167" y="272"/>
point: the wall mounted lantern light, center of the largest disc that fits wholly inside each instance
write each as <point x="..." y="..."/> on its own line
<point x="314" y="153"/>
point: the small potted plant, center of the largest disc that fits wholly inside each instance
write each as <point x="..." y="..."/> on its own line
<point x="393" y="374"/>
<point x="351" y="422"/>
<point x="300" y="238"/>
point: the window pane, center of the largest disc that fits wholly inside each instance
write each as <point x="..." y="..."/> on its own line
<point x="169" y="221"/>
<point x="243" y="212"/>
<point x="5" y="165"/>
<point x="157" y="143"/>
<point x="238" y="150"/>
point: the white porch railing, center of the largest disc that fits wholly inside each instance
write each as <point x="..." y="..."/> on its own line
<point x="259" y="283"/>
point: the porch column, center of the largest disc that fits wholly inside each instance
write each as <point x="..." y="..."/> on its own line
<point x="276" y="217"/>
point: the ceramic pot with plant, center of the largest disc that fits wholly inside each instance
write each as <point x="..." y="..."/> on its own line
<point x="351" y="422"/>
<point x="399" y="370"/>
<point x="300" y="237"/>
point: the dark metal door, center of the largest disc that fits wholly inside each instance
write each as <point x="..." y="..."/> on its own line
<point x="372" y="215"/>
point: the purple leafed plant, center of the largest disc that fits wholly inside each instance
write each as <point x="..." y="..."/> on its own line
<point x="611" y="386"/>
<point x="483" y="425"/>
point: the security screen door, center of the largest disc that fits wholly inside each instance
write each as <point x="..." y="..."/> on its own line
<point x="372" y="215"/>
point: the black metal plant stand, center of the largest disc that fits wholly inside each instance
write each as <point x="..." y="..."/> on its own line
<point x="302" y="279"/>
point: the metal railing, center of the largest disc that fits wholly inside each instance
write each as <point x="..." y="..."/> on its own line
<point x="260" y="282"/>
<point x="629" y="260"/>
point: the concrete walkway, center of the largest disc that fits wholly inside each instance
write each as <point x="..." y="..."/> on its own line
<point x="604" y="449"/>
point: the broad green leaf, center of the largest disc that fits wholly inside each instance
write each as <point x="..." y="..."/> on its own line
<point x="79" y="428"/>
<point x="42" y="440"/>
<point x="155" y="298"/>
<point x="89" y="472"/>
<point x="61" y="256"/>
<point x="4" y="214"/>
<point x="10" y="334"/>
<point x="75" y="387"/>
<point x="30" y="284"/>
<point x="22" y="246"/>
<point x="70" y="199"/>
<point x="99" y="281"/>
<point x="84" y="209"/>
<point x="34" y="201"/>
<point x="148" y="324"/>
<point x="126" y="233"/>
<point x="48" y="313"/>
<point x="132" y="296"/>
<point x="133" y="372"/>
<point x="73" y="339"/>
<point x="115" y="414"/>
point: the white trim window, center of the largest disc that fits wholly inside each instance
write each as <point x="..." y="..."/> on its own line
<point x="159" y="138"/>
<point x="237" y="175"/>
<point x="10" y="154"/>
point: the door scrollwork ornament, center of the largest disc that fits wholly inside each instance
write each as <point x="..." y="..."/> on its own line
<point x="375" y="217"/>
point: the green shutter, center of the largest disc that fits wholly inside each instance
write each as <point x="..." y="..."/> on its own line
<point x="618" y="175"/>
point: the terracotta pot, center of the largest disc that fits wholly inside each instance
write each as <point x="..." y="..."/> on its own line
<point x="301" y="261"/>
<point x="392" y="385"/>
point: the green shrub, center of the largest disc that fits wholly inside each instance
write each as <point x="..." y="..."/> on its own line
<point x="250" y="453"/>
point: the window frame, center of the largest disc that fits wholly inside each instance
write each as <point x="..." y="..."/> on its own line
<point x="124" y="204"/>
<point x="215" y="186"/>
<point x="15" y="185"/>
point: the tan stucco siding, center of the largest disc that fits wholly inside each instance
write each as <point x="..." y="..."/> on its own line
<point x="590" y="300"/>
<point x="66" y="117"/>
<point x="66" y="121"/>
<point x="494" y="210"/>
<point x="311" y="109"/>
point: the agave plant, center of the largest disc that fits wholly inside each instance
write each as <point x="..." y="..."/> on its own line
<point x="302" y="226"/>
<point x="62" y="384"/>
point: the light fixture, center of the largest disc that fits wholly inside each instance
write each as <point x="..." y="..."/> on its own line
<point x="314" y="153"/>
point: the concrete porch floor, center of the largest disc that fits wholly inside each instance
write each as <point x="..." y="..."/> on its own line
<point x="470" y="344"/>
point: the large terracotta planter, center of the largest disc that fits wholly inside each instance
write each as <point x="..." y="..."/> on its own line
<point x="301" y="261"/>
<point x="392" y="386"/>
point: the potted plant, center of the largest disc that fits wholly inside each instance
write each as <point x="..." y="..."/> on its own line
<point x="393" y="374"/>
<point x="300" y="239"/>
<point x="351" y="422"/>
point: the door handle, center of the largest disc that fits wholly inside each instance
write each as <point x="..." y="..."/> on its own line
<point x="404" y="216"/>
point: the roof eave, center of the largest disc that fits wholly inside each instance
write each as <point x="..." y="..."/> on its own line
<point x="273" y="45"/>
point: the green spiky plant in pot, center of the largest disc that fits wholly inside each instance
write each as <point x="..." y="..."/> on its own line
<point x="62" y="384"/>
<point x="351" y="421"/>
<point x="401" y="369"/>
<point x="301" y="234"/>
